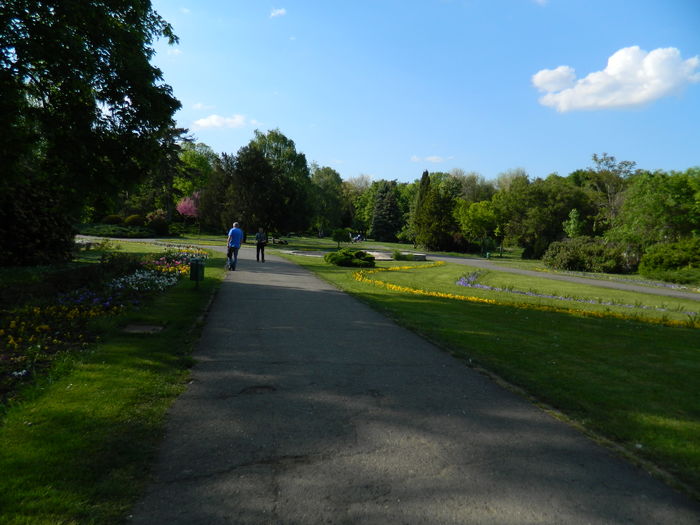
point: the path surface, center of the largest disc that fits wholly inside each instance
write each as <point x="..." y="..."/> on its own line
<point x="307" y="407"/>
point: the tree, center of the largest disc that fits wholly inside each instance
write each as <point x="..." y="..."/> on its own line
<point x="83" y="112"/>
<point x="477" y="220"/>
<point x="326" y="193"/>
<point x="436" y="221"/>
<point x="659" y="207"/>
<point x="606" y="183"/>
<point x="266" y="184"/>
<point x="573" y="226"/>
<point x="187" y="207"/>
<point x="533" y="213"/>
<point x="197" y="162"/>
<point x="419" y="219"/>
<point x="252" y="196"/>
<point x="386" y="216"/>
<point x="352" y="191"/>
<point x="291" y="180"/>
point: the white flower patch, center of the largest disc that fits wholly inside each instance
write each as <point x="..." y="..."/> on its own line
<point x="144" y="281"/>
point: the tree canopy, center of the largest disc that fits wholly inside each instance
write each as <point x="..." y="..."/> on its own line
<point x="83" y="111"/>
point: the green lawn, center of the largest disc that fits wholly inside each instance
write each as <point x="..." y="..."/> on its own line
<point x="634" y="383"/>
<point x="77" y="449"/>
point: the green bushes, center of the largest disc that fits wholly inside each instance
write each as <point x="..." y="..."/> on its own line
<point x="158" y="222"/>
<point x="106" y="230"/>
<point x="134" y="220"/>
<point x="398" y="255"/>
<point x="350" y="257"/>
<point x="675" y="261"/>
<point x="589" y="254"/>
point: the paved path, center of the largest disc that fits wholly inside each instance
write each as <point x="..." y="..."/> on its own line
<point x="307" y="407"/>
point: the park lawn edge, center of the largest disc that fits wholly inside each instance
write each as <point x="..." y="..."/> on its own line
<point x="79" y="445"/>
<point x="622" y="450"/>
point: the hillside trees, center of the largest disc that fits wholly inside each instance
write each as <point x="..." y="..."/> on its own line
<point x="83" y="112"/>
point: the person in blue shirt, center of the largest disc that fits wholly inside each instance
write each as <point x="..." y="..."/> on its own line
<point x="235" y="238"/>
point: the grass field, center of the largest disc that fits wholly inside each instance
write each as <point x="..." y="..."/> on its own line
<point x="78" y="446"/>
<point x="632" y="382"/>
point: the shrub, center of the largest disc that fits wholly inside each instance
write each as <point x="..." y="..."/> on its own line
<point x="398" y="255"/>
<point x="134" y="220"/>
<point x="112" y="219"/>
<point x="115" y="263"/>
<point x="588" y="254"/>
<point x="674" y="261"/>
<point x="350" y="257"/>
<point x="106" y="230"/>
<point x="157" y="221"/>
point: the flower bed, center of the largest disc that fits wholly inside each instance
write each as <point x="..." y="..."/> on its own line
<point x="469" y="281"/>
<point x="32" y="336"/>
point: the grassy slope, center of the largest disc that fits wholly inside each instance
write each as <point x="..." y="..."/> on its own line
<point x="77" y="450"/>
<point x="632" y="382"/>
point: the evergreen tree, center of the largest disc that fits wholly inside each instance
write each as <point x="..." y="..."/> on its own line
<point x="386" y="218"/>
<point x="418" y="219"/>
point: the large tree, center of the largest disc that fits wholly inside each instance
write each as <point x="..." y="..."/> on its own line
<point x="82" y="111"/>
<point x="292" y="181"/>
<point x="606" y="182"/>
<point x="327" y="193"/>
<point x="386" y="216"/>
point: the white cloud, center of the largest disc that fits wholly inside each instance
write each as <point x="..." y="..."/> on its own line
<point x="633" y="77"/>
<point x="541" y="2"/>
<point x="217" y="121"/>
<point x="201" y="105"/>
<point x="185" y="11"/>
<point x="435" y="159"/>
<point x="278" y="12"/>
<point x="174" y="52"/>
<point x="563" y="77"/>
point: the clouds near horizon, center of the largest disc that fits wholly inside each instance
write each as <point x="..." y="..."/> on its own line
<point x="632" y="77"/>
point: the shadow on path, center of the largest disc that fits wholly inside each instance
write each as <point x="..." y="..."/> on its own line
<point x="308" y="407"/>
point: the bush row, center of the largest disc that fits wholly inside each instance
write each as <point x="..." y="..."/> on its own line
<point x="673" y="261"/>
<point x="590" y="254"/>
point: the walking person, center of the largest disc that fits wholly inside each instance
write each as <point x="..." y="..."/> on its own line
<point x="260" y="242"/>
<point x="235" y="238"/>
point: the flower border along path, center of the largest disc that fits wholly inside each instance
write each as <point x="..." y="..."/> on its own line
<point x="362" y="276"/>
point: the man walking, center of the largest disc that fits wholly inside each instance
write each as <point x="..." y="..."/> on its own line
<point x="260" y="242"/>
<point x="235" y="238"/>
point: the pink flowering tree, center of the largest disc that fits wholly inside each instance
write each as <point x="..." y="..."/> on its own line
<point x="188" y="207"/>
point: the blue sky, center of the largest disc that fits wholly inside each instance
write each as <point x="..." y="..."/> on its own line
<point x="389" y="88"/>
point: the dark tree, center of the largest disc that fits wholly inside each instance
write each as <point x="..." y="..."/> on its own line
<point x="386" y="218"/>
<point x="83" y="113"/>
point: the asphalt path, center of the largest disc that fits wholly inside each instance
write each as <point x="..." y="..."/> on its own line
<point x="308" y="407"/>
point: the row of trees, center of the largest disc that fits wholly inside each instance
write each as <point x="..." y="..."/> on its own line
<point x="88" y="131"/>
<point x="268" y="184"/>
